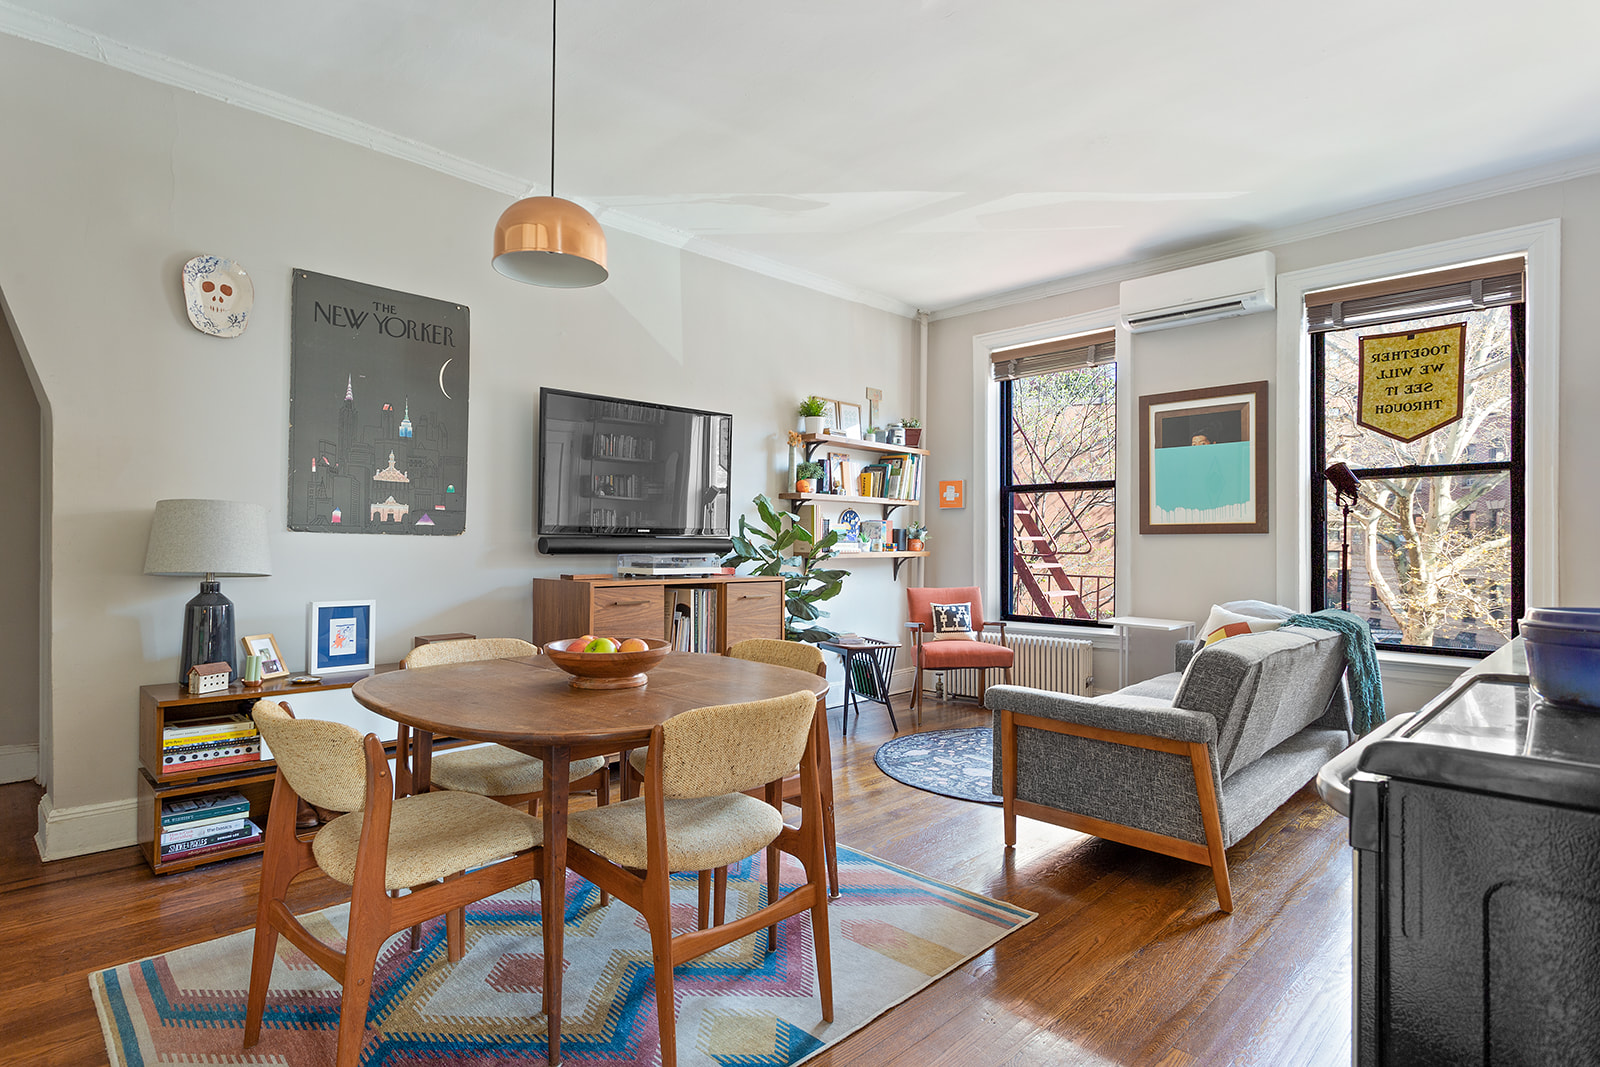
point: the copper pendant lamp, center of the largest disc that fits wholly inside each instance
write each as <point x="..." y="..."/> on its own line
<point x="544" y="240"/>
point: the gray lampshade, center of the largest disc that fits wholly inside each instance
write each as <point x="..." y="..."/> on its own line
<point x="225" y="538"/>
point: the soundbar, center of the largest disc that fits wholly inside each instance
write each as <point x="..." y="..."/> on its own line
<point x="591" y="545"/>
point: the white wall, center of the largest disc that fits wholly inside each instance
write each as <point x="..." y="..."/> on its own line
<point x="1177" y="576"/>
<point x="111" y="183"/>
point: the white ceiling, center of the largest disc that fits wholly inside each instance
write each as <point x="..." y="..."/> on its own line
<point x="908" y="154"/>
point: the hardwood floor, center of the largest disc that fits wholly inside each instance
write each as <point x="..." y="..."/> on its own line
<point x="1129" y="962"/>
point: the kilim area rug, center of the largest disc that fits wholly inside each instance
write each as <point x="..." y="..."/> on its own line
<point x="952" y="763"/>
<point x="893" y="933"/>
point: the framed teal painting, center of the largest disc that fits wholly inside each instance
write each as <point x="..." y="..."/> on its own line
<point x="1203" y="460"/>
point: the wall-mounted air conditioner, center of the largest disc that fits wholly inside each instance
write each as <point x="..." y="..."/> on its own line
<point x="1239" y="286"/>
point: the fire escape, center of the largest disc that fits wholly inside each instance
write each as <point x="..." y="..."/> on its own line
<point x="1043" y="560"/>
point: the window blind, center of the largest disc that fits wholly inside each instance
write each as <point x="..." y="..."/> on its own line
<point x="1473" y="287"/>
<point x="1048" y="357"/>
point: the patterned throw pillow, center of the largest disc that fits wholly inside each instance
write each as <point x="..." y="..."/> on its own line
<point x="952" y="622"/>
<point x="1222" y="623"/>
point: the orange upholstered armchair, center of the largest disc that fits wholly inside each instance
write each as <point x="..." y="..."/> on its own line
<point x="941" y="645"/>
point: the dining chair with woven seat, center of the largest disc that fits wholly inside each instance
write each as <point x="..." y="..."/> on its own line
<point x="694" y="815"/>
<point x="494" y="770"/>
<point x="405" y="859"/>
<point x="796" y="656"/>
<point x="801" y="657"/>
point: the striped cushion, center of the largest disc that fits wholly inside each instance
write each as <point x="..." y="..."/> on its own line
<point x="1222" y="623"/>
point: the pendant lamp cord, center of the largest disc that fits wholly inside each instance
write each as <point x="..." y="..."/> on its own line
<point x="552" y="97"/>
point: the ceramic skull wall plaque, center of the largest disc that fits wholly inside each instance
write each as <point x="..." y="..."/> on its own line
<point x="218" y="295"/>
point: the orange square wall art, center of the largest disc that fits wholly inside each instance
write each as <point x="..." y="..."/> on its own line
<point x="952" y="494"/>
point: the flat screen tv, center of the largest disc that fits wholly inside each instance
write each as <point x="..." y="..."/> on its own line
<point x="620" y="475"/>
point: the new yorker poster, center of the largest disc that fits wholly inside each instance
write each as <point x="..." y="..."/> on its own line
<point x="377" y="410"/>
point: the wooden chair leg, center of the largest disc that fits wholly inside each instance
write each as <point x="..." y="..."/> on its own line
<point x="362" y="945"/>
<point x="455" y="930"/>
<point x="666" y="1003"/>
<point x="916" y="692"/>
<point x="721" y="896"/>
<point x="1211" y="817"/>
<point x="704" y="912"/>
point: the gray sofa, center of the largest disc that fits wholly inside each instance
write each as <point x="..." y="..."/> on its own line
<point x="1185" y="764"/>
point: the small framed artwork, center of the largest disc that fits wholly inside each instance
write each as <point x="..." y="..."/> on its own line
<point x="339" y="636"/>
<point x="839" y="474"/>
<point x="849" y="418"/>
<point x="263" y="645"/>
<point x="1203" y="460"/>
<point x="953" y="494"/>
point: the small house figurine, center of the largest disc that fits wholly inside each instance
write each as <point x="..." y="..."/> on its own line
<point x="209" y="677"/>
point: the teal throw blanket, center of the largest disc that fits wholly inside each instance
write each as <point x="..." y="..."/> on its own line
<point x="1366" y="684"/>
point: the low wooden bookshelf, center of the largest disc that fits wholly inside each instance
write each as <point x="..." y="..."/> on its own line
<point x="170" y="704"/>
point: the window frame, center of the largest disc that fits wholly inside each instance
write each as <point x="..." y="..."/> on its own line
<point x="982" y="464"/>
<point x="1007" y="487"/>
<point x="1540" y="244"/>
<point x="1513" y="466"/>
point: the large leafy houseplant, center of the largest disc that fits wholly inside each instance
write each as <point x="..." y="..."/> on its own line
<point x="804" y="585"/>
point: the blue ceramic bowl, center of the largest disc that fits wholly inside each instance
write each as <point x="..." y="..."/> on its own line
<point x="1564" y="660"/>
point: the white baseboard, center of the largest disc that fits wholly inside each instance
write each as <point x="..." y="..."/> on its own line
<point x="19" y="763"/>
<point x="77" y="831"/>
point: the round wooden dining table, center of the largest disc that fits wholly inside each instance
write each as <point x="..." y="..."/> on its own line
<point x="528" y="705"/>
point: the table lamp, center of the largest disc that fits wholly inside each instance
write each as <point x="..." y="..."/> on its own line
<point x="208" y="539"/>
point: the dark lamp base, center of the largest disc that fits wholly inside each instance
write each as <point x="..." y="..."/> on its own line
<point x="208" y="631"/>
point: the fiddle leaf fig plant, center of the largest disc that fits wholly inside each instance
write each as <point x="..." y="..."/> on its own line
<point x="805" y="585"/>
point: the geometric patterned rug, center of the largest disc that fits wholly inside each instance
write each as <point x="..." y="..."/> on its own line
<point x="893" y="933"/>
<point x="952" y="763"/>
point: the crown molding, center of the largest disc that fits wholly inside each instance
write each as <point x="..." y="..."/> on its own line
<point x="165" y="70"/>
<point x="1385" y="211"/>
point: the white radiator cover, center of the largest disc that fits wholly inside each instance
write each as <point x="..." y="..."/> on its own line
<point x="1043" y="661"/>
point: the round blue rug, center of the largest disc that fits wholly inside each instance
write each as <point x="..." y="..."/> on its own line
<point x="952" y="763"/>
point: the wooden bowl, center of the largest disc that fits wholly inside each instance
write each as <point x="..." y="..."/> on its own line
<point x="607" y="670"/>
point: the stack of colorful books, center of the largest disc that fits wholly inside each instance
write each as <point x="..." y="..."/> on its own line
<point x="208" y="823"/>
<point x="212" y="742"/>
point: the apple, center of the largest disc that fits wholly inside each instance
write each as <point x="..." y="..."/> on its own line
<point x="633" y="644"/>
<point x="601" y="644"/>
<point x="578" y="644"/>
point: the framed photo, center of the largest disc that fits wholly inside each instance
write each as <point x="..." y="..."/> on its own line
<point x="839" y="474"/>
<point x="830" y="415"/>
<point x="849" y="418"/>
<point x="263" y="645"/>
<point x="339" y="636"/>
<point x="1203" y="460"/>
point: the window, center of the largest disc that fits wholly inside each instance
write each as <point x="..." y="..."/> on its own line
<point x="1436" y="536"/>
<point x="1058" y="462"/>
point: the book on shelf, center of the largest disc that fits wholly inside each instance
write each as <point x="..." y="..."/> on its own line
<point x="209" y="755"/>
<point x="247" y="834"/>
<point x="216" y="726"/>
<point x="191" y="830"/>
<point x="206" y="806"/>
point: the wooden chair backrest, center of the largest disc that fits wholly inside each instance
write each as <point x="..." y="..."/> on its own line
<point x="728" y="748"/>
<point x="919" y="604"/>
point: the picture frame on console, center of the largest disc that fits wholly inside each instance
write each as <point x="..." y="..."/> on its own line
<point x="1203" y="460"/>
<point x="265" y="646"/>
<point x="339" y="636"/>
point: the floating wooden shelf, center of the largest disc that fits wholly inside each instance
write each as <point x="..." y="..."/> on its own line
<point x="842" y="498"/>
<point x="812" y="440"/>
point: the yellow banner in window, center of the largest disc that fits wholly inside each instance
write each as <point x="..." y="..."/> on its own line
<point x="1411" y="382"/>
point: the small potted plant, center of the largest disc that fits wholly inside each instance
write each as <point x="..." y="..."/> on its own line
<point x="806" y="476"/>
<point x="811" y="410"/>
<point x="872" y="433"/>
<point x="916" y="537"/>
<point x="913" y="428"/>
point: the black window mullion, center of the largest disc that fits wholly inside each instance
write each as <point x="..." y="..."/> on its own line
<point x="1319" y="463"/>
<point x="1519" y="463"/>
